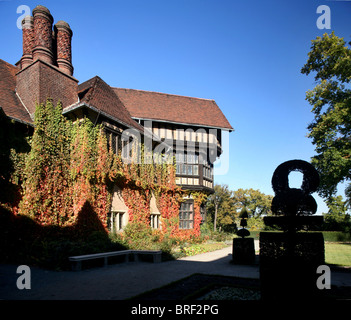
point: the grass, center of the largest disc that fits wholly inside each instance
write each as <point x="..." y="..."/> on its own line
<point x="335" y="253"/>
<point x="193" y="249"/>
<point x="338" y="254"/>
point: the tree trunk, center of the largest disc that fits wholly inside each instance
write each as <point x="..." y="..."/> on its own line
<point x="215" y="218"/>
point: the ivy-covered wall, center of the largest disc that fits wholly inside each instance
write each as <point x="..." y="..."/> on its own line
<point x="69" y="167"/>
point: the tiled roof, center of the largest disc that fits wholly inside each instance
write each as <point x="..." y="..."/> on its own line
<point x="121" y="104"/>
<point x="9" y="101"/>
<point x="172" y="108"/>
<point x="97" y="93"/>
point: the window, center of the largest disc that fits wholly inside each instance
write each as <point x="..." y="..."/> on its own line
<point x="187" y="165"/>
<point x="186" y="215"/>
<point x="180" y="157"/>
<point x="190" y="170"/>
<point x="203" y="213"/>
<point x="115" y="221"/>
<point x="208" y="171"/>
<point x="155" y="220"/>
<point x="178" y="169"/>
<point x="113" y="141"/>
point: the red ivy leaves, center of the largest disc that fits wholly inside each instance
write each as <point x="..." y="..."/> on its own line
<point x="70" y="165"/>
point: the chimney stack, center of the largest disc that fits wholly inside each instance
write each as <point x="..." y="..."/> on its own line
<point x="28" y="41"/>
<point x="64" y="34"/>
<point x="43" y="42"/>
<point x="46" y="64"/>
<point x="40" y="42"/>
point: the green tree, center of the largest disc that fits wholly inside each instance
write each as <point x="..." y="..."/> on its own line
<point x="256" y="202"/>
<point x="220" y="206"/>
<point x="337" y="217"/>
<point x="330" y="131"/>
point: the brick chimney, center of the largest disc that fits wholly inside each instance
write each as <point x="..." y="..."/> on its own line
<point x="45" y="67"/>
<point x="63" y="35"/>
<point x="28" y="41"/>
<point x="43" y="42"/>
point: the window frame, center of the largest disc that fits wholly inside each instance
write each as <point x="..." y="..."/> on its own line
<point x="155" y="217"/>
<point x="186" y="215"/>
<point x="116" y="221"/>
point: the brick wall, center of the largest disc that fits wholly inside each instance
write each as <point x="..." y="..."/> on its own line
<point x="40" y="81"/>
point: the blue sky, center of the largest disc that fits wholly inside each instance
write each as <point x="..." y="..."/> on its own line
<point x="247" y="56"/>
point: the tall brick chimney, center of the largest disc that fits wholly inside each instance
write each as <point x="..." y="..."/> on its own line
<point x="64" y="34"/>
<point x="28" y="41"/>
<point x="43" y="44"/>
<point x="45" y="67"/>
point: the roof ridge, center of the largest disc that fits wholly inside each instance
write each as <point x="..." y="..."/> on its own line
<point x="92" y="87"/>
<point x="10" y="64"/>
<point x="163" y="93"/>
<point x="96" y="85"/>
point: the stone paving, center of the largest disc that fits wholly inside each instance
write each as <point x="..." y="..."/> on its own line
<point x="122" y="281"/>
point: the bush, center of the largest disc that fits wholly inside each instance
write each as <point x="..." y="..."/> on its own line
<point x="139" y="236"/>
<point x="329" y="236"/>
<point x="336" y="236"/>
<point x="207" y="233"/>
<point x="255" y="223"/>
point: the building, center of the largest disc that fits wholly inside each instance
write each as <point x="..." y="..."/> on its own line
<point x="188" y="128"/>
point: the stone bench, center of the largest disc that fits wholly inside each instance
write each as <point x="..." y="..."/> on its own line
<point x="77" y="260"/>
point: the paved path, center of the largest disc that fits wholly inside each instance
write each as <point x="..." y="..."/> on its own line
<point x="123" y="281"/>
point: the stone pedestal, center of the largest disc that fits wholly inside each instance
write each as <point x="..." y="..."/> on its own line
<point x="288" y="265"/>
<point x="243" y="251"/>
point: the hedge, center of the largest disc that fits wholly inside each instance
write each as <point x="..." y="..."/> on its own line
<point x="329" y="236"/>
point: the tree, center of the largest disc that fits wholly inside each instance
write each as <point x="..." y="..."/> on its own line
<point x="256" y="202"/>
<point x="231" y="203"/>
<point x="336" y="218"/>
<point x="330" y="131"/>
<point x="220" y="206"/>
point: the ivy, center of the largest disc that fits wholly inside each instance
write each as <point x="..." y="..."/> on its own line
<point x="46" y="196"/>
<point x="69" y="168"/>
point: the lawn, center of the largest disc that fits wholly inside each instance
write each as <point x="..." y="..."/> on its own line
<point x="338" y="253"/>
<point x="335" y="253"/>
<point x="193" y="249"/>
